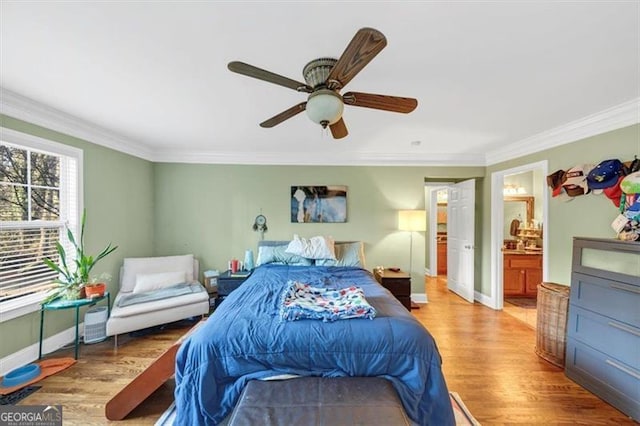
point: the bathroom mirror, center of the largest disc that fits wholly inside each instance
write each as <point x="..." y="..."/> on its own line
<point x="517" y="207"/>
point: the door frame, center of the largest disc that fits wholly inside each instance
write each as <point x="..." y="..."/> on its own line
<point x="431" y="190"/>
<point x="496" y="301"/>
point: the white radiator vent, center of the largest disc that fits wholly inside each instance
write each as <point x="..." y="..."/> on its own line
<point x="95" y="324"/>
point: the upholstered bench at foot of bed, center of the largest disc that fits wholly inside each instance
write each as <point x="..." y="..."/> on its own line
<point x="319" y="401"/>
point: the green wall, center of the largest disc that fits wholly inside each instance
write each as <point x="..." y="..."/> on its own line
<point x="585" y="216"/>
<point x="209" y="210"/>
<point x="118" y="196"/>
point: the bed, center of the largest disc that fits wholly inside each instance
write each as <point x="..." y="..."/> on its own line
<point x="245" y="339"/>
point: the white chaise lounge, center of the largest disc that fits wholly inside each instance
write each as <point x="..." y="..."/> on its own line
<point x="149" y="274"/>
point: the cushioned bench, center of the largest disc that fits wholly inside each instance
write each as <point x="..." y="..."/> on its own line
<point x="319" y="401"/>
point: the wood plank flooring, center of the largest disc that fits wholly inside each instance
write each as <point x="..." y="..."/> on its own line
<point x="101" y="372"/>
<point x="488" y="358"/>
<point x="526" y="315"/>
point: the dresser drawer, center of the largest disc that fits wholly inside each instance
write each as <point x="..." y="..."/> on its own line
<point x="618" y="340"/>
<point x="606" y="297"/>
<point x="523" y="261"/>
<point x="612" y="380"/>
<point x="609" y="259"/>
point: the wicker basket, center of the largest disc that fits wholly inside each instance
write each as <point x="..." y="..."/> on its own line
<point x="551" y="337"/>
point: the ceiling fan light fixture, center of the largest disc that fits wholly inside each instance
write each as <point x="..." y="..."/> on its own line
<point x="325" y="78"/>
<point x="324" y="107"/>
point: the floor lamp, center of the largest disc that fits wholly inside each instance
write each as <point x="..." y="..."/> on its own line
<point x="412" y="221"/>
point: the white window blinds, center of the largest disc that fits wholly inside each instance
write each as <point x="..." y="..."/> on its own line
<point x="22" y="249"/>
<point x="39" y="190"/>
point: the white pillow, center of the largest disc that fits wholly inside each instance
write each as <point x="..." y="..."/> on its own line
<point x="347" y="254"/>
<point x="313" y="248"/>
<point x="151" y="282"/>
<point x="133" y="266"/>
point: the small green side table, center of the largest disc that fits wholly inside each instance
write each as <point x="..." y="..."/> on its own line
<point x="68" y="304"/>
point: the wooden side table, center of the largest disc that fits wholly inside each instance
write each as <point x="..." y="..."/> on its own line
<point x="59" y="304"/>
<point x="398" y="283"/>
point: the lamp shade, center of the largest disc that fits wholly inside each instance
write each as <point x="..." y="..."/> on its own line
<point x="412" y="220"/>
<point x="324" y="107"/>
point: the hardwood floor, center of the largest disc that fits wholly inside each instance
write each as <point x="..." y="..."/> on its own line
<point x="101" y="372"/>
<point x="488" y="358"/>
<point x="526" y="315"/>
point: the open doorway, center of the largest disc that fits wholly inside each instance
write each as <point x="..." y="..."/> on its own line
<point x="518" y="244"/>
<point x="451" y="235"/>
<point x="436" y="195"/>
<point x="441" y="232"/>
<point x="438" y="230"/>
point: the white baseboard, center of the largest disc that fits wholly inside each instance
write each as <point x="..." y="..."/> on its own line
<point x="419" y="297"/>
<point x="484" y="299"/>
<point x="30" y="353"/>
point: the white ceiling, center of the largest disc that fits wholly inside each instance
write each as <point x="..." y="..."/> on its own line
<point x="487" y="75"/>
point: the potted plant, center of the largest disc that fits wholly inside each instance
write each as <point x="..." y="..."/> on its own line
<point x="72" y="278"/>
<point x="97" y="286"/>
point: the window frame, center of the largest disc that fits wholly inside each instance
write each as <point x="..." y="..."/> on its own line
<point x="26" y="304"/>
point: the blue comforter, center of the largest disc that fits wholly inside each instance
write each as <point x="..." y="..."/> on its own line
<point x="245" y="339"/>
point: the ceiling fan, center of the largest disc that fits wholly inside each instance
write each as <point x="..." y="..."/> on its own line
<point x="325" y="77"/>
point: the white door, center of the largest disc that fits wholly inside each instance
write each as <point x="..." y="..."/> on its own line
<point x="433" y="231"/>
<point x="460" y="238"/>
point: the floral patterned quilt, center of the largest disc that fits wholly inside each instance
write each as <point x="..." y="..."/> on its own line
<point x="300" y="300"/>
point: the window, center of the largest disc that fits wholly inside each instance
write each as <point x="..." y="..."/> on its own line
<point x="39" y="198"/>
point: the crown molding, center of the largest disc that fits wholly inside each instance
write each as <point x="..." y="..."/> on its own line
<point x="319" y="158"/>
<point x="617" y="117"/>
<point x="17" y="106"/>
<point x="14" y="105"/>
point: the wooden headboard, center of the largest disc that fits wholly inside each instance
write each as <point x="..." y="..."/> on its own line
<point x="271" y="243"/>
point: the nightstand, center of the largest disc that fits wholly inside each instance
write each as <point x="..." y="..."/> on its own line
<point x="398" y="283"/>
<point x="227" y="282"/>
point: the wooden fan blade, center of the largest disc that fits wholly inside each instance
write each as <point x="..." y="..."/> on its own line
<point x="339" y="129"/>
<point x="364" y="46"/>
<point x="387" y="103"/>
<point x="260" y="74"/>
<point x="284" y="115"/>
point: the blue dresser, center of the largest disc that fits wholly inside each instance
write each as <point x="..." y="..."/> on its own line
<point x="603" y="329"/>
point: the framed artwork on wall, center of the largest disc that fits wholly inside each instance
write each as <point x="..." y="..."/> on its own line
<point x="318" y="204"/>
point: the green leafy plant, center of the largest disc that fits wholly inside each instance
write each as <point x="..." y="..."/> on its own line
<point x="73" y="277"/>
